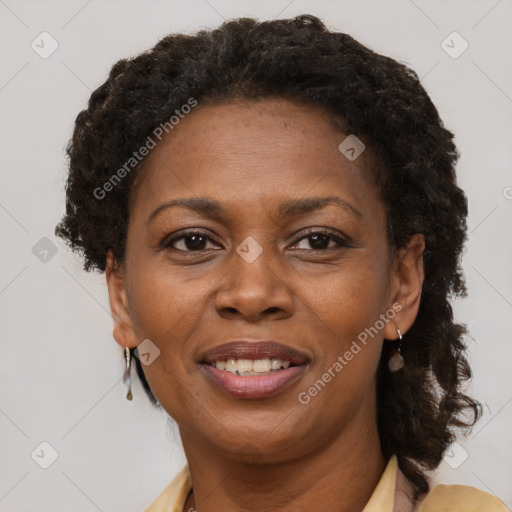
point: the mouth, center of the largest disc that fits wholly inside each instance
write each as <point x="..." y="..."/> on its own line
<point x="253" y="369"/>
<point x="247" y="367"/>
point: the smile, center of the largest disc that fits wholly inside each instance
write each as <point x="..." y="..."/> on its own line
<point x="253" y="385"/>
<point x="252" y="369"/>
<point x="247" y="367"/>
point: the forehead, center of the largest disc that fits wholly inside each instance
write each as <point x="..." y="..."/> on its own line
<point x="250" y="153"/>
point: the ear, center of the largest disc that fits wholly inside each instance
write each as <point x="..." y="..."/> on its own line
<point x="123" y="328"/>
<point x="406" y="285"/>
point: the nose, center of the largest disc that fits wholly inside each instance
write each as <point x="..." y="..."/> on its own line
<point x="254" y="290"/>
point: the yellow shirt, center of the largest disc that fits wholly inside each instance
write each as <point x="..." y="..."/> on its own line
<point x="392" y="494"/>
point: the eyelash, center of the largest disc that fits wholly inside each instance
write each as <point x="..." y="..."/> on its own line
<point x="342" y="243"/>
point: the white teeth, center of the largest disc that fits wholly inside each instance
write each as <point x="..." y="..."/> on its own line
<point x="231" y="365"/>
<point x="250" y="367"/>
<point x="261" y="365"/>
<point x="276" y="364"/>
<point x="244" y="365"/>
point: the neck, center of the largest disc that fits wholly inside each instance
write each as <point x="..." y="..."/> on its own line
<point x="341" y="476"/>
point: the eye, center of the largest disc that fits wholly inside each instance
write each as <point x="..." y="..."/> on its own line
<point x="195" y="241"/>
<point x="188" y="242"/>
<point x="321" y="240"/>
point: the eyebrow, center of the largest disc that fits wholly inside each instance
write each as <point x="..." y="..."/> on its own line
<point x="294" y="208"/>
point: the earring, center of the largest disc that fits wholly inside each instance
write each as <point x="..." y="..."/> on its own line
<point x="127" y="376"/>
<point x="397" y="361"/>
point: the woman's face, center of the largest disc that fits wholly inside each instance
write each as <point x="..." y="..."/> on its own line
<point x="255" y="272"/>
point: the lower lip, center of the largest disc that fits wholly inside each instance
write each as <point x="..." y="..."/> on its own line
<point x="253" y="386"/>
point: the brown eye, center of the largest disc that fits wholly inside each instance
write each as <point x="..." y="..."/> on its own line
<point x="188" y="242"/>
<point x="322" y="240"/>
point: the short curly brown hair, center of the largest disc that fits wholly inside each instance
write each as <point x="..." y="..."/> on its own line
<point x="375" y="97"/>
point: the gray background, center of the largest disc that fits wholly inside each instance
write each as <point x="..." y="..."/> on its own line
<point x="60" y="368"/>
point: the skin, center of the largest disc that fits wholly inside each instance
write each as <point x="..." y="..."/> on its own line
<point x="274" y="453"/>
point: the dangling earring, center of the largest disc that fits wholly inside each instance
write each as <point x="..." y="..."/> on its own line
<point x="397" y="361"/>
<point x="127" y="376"/>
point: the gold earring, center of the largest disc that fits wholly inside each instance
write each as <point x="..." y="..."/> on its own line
<point x="127" y="376"/>
<point x="397" y="361"/>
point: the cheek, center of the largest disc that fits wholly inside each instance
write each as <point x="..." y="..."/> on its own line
<point x="341" y="382"/>
<point x="162" y="303"/>
<point x="345" y="306"/>
<point x="166" y="311"/>
<point x="350" y="299"/>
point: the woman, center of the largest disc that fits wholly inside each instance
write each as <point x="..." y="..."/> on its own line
<point x="275" y="209"/>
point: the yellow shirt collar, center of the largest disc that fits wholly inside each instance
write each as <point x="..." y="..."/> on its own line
<point x="383" y="496"/>
<point x="393" y="493"/>
<point x="174" y="495"/>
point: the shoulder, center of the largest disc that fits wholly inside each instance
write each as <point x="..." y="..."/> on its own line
<point x="460" y="498"/>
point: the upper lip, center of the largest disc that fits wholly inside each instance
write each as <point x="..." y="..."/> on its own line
<point x="254" y="349"/>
